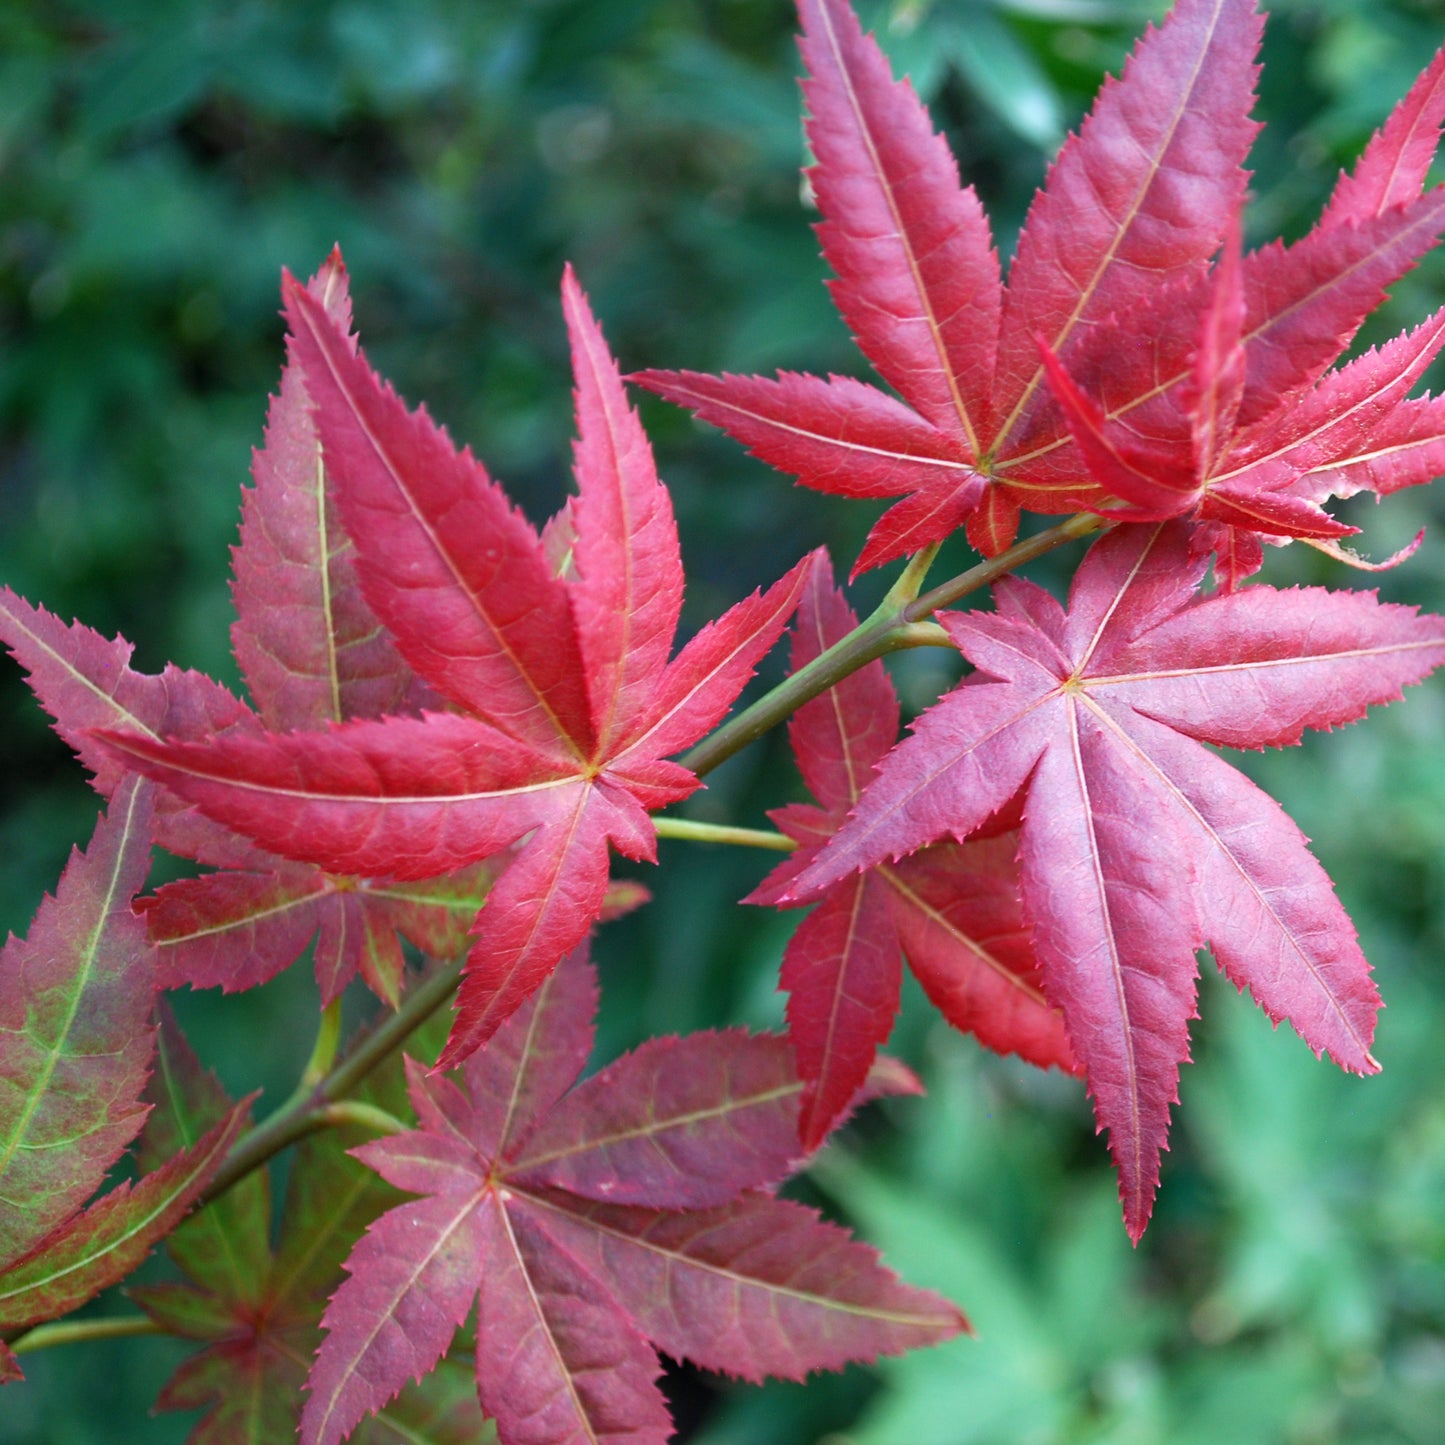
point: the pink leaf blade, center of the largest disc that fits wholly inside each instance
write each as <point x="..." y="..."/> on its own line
<point x="1394" y="165"/>
<point x="994" y="523"/>
<point x="355" y="939"/>
<point x="1156" y="483"/>
<point x="839" y="736"/>
<point x="1345" y="409"/>
<point x="428" y="1160"/>
<point x="310" y="648"/>
<point x="704" y="679"/>
<point x="1405" y="449"/>
<point x="232" y="930"/>
<point x="75" y="1034"/>
<point x="1272" y="514"/>
<point x="1136" y="578"/>
<point x="627" y="592"/>
<point x="961" y="922"/>
<point x="1255" y="668"/>
<point x="485" y="622"/>
<point x="1216" y="386"/>
<point x="1304" y="303"/>
<point x="1117" y="945"/>
<point x="842" y="971"/>
<point x="534" y="1058"/>
<point x="836" y="435"/>
<point x="928" y="516"/>
<point x="1146" y="185"/>
<point x="85" y="682"/>
<point x="1275" y="924"/>
<point x="404" y="797"/>
<point x="558" y="1363"/>
<point x="759" y="1287"/>
<point x="918" y="279"/>
<point x="678" y="1124"/>
<point x="539" y="910"/>
<point x="413" y="1277"/>
<point x="960" y="766"/>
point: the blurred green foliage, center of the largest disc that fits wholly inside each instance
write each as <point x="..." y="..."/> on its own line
<point x="161" y="160"/>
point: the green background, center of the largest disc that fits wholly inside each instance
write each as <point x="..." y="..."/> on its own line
<point x="161" y="162"/>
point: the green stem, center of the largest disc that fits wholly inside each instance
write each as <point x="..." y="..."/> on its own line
<point x="891" y="627"/>
<point x="306" y="1112"/>
<point x="69" y="1332"/>
<point x="719" y="833"/>
<point x="323" y="1053"/>
<point x="987" y="573"/>
<point x="363" y="1116"/>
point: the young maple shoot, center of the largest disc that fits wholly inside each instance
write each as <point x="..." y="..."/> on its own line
<point x="454" y="718"/>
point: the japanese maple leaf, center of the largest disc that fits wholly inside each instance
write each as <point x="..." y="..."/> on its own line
<point x="1110" y="275"/>
<point x="954" y="909"/>
<point x="257" y="1310"/>
<point x="1250" y="448"/>
<point x="311" y="652"/>
<point x="597" y="1221"/>
<point x="1138" y="845"/>
<point x="75" y="1049"/>
<point x="567" y="702"/>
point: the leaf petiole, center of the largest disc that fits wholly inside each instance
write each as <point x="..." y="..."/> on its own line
<point x="69" y="1332"/>
<point x="323" y="1052"/>
<point x="698" y="832"/>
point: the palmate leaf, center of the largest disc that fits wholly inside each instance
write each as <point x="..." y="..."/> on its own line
<point x="567" y="704"/>
<point x="1253" y="441"/>
<point x="1138" y="845"/>
<point x="1143" y="191"/>
<point x="953" y="909"/>
<point x="1110" y="291"/>
<point x="594" y="1219"/>
<point x="312" y="652"/>
<point x="257" y="1311"/>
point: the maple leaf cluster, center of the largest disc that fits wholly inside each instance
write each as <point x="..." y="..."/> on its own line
<point x="455" y="718"/>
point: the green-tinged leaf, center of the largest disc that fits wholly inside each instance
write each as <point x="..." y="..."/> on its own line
<point x="103" y="1245"/>
<point x="331" y="1200"/>
<point x="442" y="1409"/>
<point x="229" y="1237"/>
<point x="258" y="1312"/>
<point x="75" y="1038"/>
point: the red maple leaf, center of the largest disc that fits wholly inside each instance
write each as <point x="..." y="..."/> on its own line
<point x="1111" y="279"/>
<point x="1138" y="845"/>
<point x="567" y="701"/>
<point x="311" y="652"/>
<point x="599" y="1220"/>
<point x="953" y="909"/>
